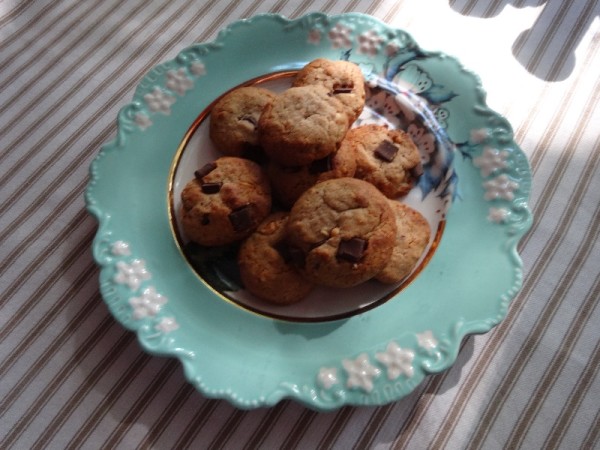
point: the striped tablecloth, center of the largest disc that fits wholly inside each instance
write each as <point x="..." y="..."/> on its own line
<point x="72" y="377"/>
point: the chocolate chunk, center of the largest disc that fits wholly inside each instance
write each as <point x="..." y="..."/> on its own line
<point x="241" y="219"/>
<point x="321" y="165"/>
<point x="290" y="255"/>
<point x="352" y="250"/>
<point x="343" y="90"/>
<point x="211" y="188"/>
<point x="386" y="151"/>
<point x="205" y="170"/>
<point x="205" y="219"/>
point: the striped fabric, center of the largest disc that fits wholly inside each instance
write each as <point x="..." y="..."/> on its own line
<point x="71" y="377"/>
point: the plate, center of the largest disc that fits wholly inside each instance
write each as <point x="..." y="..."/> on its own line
<point x="372" y="356"/>
<point x="390" y="104"/>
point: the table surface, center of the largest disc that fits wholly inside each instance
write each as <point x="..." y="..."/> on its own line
<point x="73" y="377"/>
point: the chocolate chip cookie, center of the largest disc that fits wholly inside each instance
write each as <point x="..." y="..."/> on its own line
<point x="289" y="183"/>
<point x="301" y="125"/>
<point x="342" y="232"/>
<point x="343" y="79"/>
<point x="234" y="120"/>
<point x="225" y="202"/>
<point x="265" y="264"/>
<point x="386" y="158"/>
<point x="412" y="237"/>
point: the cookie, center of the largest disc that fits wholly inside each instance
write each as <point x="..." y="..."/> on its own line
<point x="342" y="232"/>
<point x="301" y="125"/>
<point x="288" y="183"/>
<point x="265" y="265"/>
<point x="412" y="237"/>
<point x="225" y="202"/>
<point x="386" y="158"/>
<point x="343" y="79"/>
<point x="234" y="119"/>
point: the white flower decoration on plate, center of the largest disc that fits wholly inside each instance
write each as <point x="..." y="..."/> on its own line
<point x="132" y="274"/>
<point x="142" y="120"/>
<point x="369" y="42"/>
<point x="426" y="340"/>
<point x="327" y="377"/>
<point x="340" y="36"/>
<point x="166" y="325"/>
<point x="159" y="101"/>
<point x="498" y="215"/>
<point x="314" y="36"/>
<point x="479" y="135"/>
<point x="491" y="160"/>
<point x="148" y="304"/>
<point x="178" y="81"/>
<point x="120" y="248"/>
<point x="360" y="372"/>
<point x="198" y="68"/>
<point x="397" y="360"/>
<point x="501" y="187"/>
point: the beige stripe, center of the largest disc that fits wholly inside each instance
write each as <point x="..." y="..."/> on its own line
<point x="270" y="420"/>
<point x="49" y="162"/>
<point x="561" y="357"/>
<point x="576" y="396"/>
<point x="296" y="433"/>
<point x="33" y="267"/>
<point x="36" y="330"/>
<point x="133" y="414"/>
<point x="337" y="426"/>
<point x="591" y="10"/>
<point x="14" y="13"/>
<point x="40" y="34"/>
<point x="231" y="424"/>
<point x="28" y="240"/>
<point x="52" y="385"/>
<point x="592" y="438"/>
<point x="196" y="424"/>
<point x="60" y="417"/>
<point x="569" y="44"/>
<point x="421" y="407"/>
<point x="68" y="71"/>
<point x="472" y="382"/>
<point x="89" y="307"/>
<point x="58" y="105"/>
<point x="372" y="427"/>
<point x="454" y="412"/>
<point x="157" y="429"/>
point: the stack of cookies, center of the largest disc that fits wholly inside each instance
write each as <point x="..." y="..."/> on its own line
<point x="310" y="199"/>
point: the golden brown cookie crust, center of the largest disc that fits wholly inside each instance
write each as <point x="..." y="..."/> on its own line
<point x="263" y="267"/>
<point x="227" y="203"/>
<point x="301" y="125"/>
<point x="333" y="214"/>
<point x="343" y="79"/>
<point x="394" y="176"/>
<point x="412" y="237"/>
<point x="234" y="120"/>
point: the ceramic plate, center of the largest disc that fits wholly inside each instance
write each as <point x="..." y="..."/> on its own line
<point x="370" y="345"/>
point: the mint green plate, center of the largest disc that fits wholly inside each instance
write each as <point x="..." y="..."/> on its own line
<point x="366" y="356"/>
